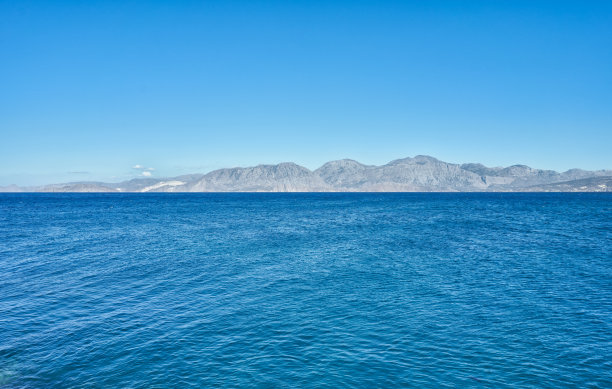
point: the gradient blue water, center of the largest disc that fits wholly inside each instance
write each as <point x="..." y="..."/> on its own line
<point x="305" y="290"/>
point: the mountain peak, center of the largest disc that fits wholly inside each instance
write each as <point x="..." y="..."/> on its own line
<point x="420" y="173"/>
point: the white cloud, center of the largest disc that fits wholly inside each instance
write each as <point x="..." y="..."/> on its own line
<point x="144" y="171"/>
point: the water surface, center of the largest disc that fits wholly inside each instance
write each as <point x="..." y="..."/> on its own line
<point x="305" y="290"/>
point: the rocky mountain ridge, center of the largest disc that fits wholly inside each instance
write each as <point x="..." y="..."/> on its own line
<point x="418" y="174"/>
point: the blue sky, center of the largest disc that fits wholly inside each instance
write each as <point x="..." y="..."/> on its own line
<point x="90" y="89"/>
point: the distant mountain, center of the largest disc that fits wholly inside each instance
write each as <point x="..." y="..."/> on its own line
<point x="418" y="174"/>
<point x="284" y="177"/>
<point x="592" y="184"/>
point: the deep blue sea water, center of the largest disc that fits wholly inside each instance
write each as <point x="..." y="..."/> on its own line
<point x="305" y="290"/>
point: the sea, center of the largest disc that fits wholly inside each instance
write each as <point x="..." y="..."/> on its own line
<point x="336" y="290"/>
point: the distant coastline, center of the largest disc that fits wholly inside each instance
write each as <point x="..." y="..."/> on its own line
<point x="418" y="174"/>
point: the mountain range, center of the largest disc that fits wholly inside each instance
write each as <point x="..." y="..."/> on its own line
<point x="418" y="174"/>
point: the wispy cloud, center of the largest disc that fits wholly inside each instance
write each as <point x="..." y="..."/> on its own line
<point x="144" y="171"/>
<point x="78" y="172"/>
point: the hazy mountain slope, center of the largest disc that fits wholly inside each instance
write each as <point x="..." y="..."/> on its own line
<point x="12" y="189"/>
<point x="591" y="184"/>
<point x="136" y="184"/>
<point x="345" y="174"/>
<point x="284" y="177"/>
<point x="521" y="176"/>
<point x="429" y="174"/>
<point x="82" y="187"/>
<point x="421" y="173"/>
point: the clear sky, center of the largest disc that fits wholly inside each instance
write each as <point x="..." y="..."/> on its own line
<point x="89" y="89"/>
